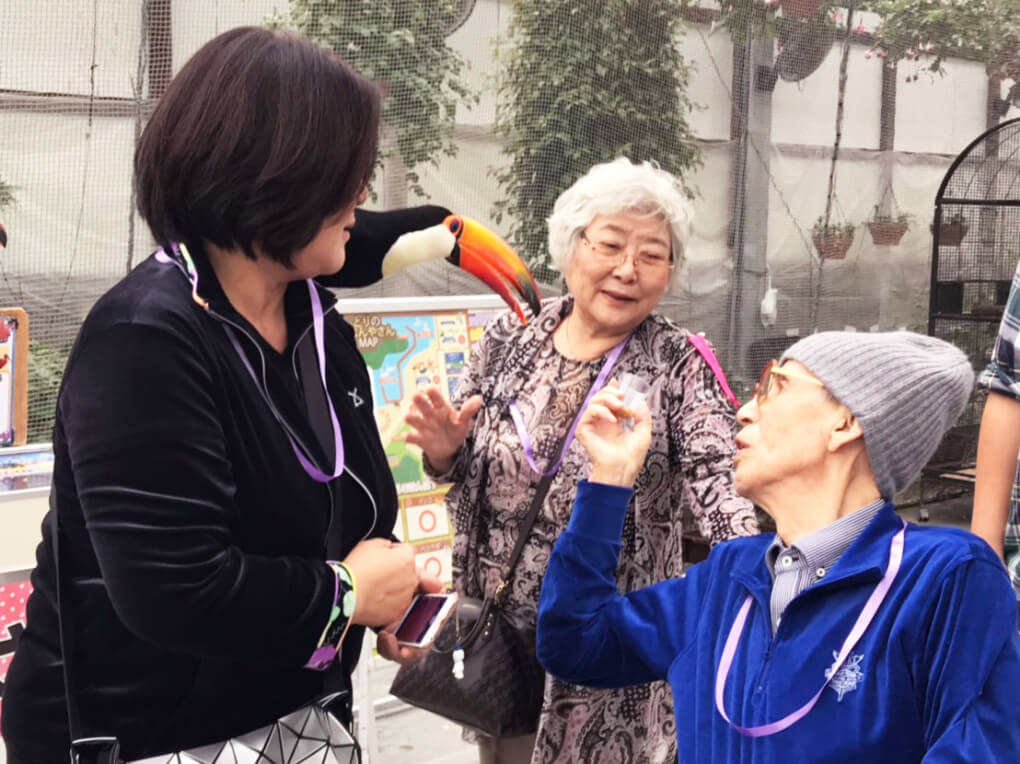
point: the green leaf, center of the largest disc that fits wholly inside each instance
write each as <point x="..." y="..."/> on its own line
<point x="577" y="89"/>
<point x="403" y="43"/>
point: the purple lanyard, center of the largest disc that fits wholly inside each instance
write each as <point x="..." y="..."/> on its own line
<point x="522" y="431"/>
<point x="318" y="332"/>
<point x="863" y="621"/>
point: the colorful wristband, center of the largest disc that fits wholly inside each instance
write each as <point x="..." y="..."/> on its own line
<point x="344" y="600"/>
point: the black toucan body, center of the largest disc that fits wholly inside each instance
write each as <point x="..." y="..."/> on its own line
<point x="384" y="243"/>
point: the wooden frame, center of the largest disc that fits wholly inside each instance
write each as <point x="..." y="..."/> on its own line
<point x="14" y="361"/>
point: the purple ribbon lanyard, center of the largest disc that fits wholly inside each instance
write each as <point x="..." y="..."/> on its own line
<point x="522" y="431"/>
<point x="318" y="332"/>
<point x="860" y="626"/>
<point x="338" y="444"/>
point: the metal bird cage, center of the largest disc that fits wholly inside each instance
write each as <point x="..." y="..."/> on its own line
<point x="975" y="249"/>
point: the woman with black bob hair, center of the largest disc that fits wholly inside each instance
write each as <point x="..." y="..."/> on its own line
<point x="221" y="498"/>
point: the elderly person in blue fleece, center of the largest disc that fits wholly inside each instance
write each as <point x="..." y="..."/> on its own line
<point x="849" y="635"/>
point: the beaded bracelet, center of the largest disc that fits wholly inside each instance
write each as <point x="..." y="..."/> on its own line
<point x="344" y="599"/>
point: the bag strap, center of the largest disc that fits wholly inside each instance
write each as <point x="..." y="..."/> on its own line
<point x="64" y="627"/>
<point x="701" y="345"/>
<point x="84" y="750"/>
<point x="524" y="529"/>
<point x="528" y="521"/>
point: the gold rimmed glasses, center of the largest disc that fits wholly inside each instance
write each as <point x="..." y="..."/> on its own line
<point x="613" y="252"/>
<point x="763" y="386"/>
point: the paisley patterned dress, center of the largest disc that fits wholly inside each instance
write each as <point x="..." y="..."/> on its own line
<point x="689" y="463"/>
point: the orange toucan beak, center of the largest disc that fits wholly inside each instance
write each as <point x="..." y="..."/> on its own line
<point x="486" y="256"/>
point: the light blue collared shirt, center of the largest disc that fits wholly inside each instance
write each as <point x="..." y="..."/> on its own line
<point x="794" y="568"/>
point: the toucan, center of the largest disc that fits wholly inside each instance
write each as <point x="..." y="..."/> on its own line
<point x="3" y="236"/>
<point x="384" y="243"/>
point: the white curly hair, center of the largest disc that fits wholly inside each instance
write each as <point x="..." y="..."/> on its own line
<point x="619" y="186"/>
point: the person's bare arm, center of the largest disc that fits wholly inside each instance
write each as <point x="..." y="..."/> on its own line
<point x="998" y="446"/>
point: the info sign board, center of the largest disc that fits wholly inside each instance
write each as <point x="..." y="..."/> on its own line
<point x="409" y="345"/>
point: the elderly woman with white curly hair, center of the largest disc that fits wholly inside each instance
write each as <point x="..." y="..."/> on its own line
<point x="618" y="235"/>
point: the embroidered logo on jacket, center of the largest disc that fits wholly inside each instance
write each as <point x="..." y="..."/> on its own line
<point x="356" y="398"/>
<point x="847" y="678"/>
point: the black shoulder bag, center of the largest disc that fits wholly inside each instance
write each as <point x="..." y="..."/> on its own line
<point x="500" y="694"/>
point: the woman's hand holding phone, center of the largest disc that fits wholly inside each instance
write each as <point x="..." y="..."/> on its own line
<point x="388" y="645"/>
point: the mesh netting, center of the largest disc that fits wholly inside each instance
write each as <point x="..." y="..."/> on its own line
<point x="800" y="128"/>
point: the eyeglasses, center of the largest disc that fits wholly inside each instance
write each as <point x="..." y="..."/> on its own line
<point x="612" y="251"/>
<point x="763" y="386"/>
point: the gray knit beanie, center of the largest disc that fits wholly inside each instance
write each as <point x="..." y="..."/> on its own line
<point x="905" y="389"/>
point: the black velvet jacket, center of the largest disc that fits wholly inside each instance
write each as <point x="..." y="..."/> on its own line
<point x="192" y="538"/>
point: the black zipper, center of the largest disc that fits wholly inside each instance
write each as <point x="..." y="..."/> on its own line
<point x="763" y="671"/>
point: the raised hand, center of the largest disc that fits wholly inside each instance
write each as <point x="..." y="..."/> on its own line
<point x="616" y="452"/>
<point x="437" y="427"/>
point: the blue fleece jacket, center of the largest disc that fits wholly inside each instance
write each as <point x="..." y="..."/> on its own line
<point x="933" y="679"/>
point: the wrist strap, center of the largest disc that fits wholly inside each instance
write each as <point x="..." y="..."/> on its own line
<point x="340" y="618"/>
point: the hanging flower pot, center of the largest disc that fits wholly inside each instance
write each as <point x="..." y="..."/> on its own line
<point x="887" y="232"/>
<point x="951" y="232"/>
<point x="832" y="246"/>
<point x="800" y="8"/>
<point x="803" y="45"/>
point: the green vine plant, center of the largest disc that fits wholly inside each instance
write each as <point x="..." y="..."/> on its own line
<point x="746" y="20"/>
<point x="877" y="216"/>
<point x="6" y="194"/>
<point x="821" y="228"/>
<point x="580" y="87"/>
<point x="927" y="32"/>
<point x="45" y="369"/>
<point x="402" y="46"/>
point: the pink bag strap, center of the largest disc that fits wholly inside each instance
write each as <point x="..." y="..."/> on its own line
<point x="702" y="346"/>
